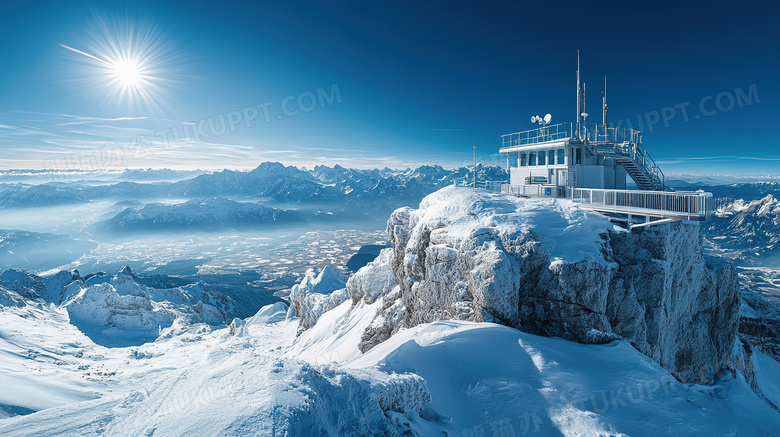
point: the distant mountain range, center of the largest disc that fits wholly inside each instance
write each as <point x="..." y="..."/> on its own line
<point x="747" y="230"/>
<point x="270" y="193"/>
<point x="270" y="180"/>
<point x="198" y="213"/>
<point x="746" y="223"/>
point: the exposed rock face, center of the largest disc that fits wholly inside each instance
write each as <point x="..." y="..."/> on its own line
<point x="547" y="267"/>
<point x="759" y="324"/>
<point x="673" y="304"/>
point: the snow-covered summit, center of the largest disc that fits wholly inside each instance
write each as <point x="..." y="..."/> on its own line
<point x="547" y="267"/>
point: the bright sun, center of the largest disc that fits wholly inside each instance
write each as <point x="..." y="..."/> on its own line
<point x="127" y="63"/>
<point x="127" y="73"/>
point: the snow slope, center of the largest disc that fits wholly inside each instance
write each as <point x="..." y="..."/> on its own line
<point x="461" y="378"/>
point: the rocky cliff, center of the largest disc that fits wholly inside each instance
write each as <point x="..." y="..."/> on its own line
<point x="544" y="266"/>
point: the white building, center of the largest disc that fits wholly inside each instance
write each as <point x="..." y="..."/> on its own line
<point x="590" y="162"/>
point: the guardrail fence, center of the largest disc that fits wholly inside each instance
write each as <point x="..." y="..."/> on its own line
<point x="682" y="205"/>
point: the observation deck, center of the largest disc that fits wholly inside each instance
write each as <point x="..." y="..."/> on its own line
<point x="622" y="144"/>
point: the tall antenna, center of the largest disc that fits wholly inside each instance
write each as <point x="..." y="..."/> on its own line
<point x="604" y="103"/>
<point x="584" y="111"/>
<point x="579" y="99"/>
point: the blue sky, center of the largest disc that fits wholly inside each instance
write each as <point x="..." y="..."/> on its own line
<point x="375" y="84"/>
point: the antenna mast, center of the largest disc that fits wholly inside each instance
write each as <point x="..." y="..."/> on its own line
<point x="584" y="111"/>
<point x="604" y="109"/>
<point x="579" y="99"/>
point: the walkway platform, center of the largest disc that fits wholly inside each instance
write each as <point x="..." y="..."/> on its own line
<point x="681" y="205"/>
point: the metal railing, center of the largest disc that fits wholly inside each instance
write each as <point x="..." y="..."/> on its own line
<point x="539" y="135"/>
<point x="536" y="190"/>
<point x="682" y="205"/>
<point x="597" y="134"/>
<point x="592" y="132"/>
<point x="463" y="182"/>
<point x="494" y="186"/>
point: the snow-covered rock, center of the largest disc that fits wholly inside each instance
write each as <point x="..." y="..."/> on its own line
<point x="22" y="283"/>
<point x="488" y="379"/>
<point x="352" y="402"/>
<point x="238" y="328"/>
<point x="372" y="280"/>
<point x="105" y="315"/>
<point x="268" y="314"/>
<point x="318" y="293"/>
<point x="547" y="267"/>
<point x="117" y="311"/>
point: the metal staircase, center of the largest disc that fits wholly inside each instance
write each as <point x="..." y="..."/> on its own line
<point x="624" y="145"/>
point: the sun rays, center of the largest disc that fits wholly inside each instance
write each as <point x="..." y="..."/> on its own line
<point x="127" y="64"/>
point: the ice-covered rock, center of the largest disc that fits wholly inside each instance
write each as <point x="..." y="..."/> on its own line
<point x="318" y="293"/>
<point x="352" y="402"/>
<point x="238" y="328"/>
<point x="547" y="267"/>
<point x="372" y="280"/>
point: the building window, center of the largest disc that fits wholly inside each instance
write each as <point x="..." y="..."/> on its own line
<point x="551" y="157"/>
<point x="523" y="160"/>
<point x="541" y="157"/>
<point x="532" y="159"/>
<point x="561" y="153"/>
<point x="578" y="156"/>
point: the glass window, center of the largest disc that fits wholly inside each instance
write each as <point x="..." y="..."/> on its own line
<point x="551" y="157"/>
<point x="541" y="157"/>
<point x="578" y="156"/>
<point x="532" y="158"/>
<point x="523" y="160"/>
<point x="560" y="156"/>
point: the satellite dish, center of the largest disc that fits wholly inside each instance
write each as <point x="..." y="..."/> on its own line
<point x="534" y="118"/>
<point x="547" y="118"/>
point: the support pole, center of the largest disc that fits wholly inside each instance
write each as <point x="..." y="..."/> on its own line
<point x="475" y="165"/>
<point x="604" y="103"/>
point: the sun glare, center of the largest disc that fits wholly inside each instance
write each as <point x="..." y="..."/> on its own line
<point x="128" y="61"/>
<point x="127" y="73"/>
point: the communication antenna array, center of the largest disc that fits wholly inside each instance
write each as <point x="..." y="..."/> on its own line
<point x="543" y="121"/>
